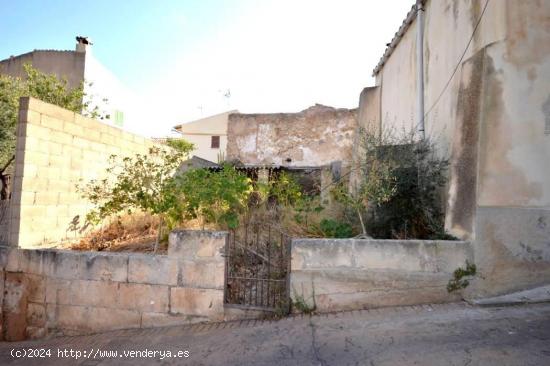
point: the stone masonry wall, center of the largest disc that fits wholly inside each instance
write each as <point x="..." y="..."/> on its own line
<point x="57" y="149"/>
<point x="352" y="274"/>
<point x="49" y="292"/>
<point x="314" y="137"/>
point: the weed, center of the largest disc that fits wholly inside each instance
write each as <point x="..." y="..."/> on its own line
<point x="301" y="304"/>
<point x="459" y="281"/>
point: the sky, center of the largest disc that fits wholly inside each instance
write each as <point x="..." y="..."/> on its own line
<point x="188" y="59"/>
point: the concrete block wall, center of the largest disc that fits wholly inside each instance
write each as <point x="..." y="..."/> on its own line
<point x="351" y="274"/>
<point x="56" y="150"/>
<point x="49" y="292"/>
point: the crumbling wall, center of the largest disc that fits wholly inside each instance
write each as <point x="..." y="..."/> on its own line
<point x="56" y="150"/>
<point x="314" y="137"/>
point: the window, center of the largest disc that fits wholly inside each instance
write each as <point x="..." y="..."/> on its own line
<point x="215" y="142"/>
<point x="119" y="118"/>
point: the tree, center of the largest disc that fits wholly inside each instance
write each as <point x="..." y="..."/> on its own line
<point x="214" y="196"/>
<point x="377" y="184"/>
<point x="400" y="185"/>
<point x="180" y="145"/>
<point x="144" y="182"/>
<point x="47" y="88"/>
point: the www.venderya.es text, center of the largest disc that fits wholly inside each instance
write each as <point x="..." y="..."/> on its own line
<point x="96" y="353"/>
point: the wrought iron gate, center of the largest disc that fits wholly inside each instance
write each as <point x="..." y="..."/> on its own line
<point x="257" y="270"/>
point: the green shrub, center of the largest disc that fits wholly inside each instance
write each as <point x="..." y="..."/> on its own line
<point x="144" y="182"/>
<point x="214" y="196"/>
<point x="415" y="210"/>
<point x="335" y="229"/>
<point x="398" y="193"/>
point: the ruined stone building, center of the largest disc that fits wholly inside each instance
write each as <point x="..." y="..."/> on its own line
<point x="475" y="76"/>
<point x="316" y="142"/>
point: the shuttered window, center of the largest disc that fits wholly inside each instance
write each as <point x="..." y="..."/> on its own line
<point x="215" y="142"/>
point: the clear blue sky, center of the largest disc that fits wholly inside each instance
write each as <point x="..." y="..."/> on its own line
<point x="130" y="35"/>
<point x="181" y="56"/>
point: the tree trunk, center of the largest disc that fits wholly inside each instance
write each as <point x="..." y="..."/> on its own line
<point x="5" y="189"/>
<point x="159" y="233"/>
<point x="362" y="223"/>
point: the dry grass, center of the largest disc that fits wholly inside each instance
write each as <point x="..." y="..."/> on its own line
<point x="138" y="232"/>
<point x="284" y="218"/>
<point x="131" y="233"/>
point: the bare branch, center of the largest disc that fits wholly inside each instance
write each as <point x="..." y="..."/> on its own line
<point x="7" y="164"/>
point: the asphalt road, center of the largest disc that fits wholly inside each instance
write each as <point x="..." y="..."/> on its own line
<point x="452" y="334"/>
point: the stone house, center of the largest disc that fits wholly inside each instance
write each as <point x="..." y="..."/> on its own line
<point x="314" y="137"/>
<point x="316" y="142"/>
<point x="475" y="76"/>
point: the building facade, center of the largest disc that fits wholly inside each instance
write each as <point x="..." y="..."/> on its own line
<point x="209" y="135"/>
<point x="314" y="137"/>
<point x="103" y="90"/>
<point x="486" y="100"/>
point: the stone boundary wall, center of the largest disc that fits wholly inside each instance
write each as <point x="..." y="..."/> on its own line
<point x="57" y="149"/>
<point x="58" y="292"/>
<point x="350" y="274"/>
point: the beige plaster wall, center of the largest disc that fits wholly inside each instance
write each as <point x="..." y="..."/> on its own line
<point x="349" y="274"/>
<point x="493" y="122"/>
<point x="56" y="150"/>
<point x="67" y="64"/>
<point x="368" y="116"/>
<point x="316" y="136"/>
<point x="512" y="226"/>
<point x="447" y="29"/>
<point x="56" y="292"/>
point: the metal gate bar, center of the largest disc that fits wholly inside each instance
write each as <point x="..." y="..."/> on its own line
<point x="257" y="270"/>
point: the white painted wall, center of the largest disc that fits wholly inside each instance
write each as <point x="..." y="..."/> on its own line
<point x="202" y="146"/>
<point x="104" y="84"/>
<point x="200" y="133"/>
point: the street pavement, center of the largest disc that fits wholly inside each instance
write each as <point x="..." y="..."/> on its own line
<point x="448" y="334"/>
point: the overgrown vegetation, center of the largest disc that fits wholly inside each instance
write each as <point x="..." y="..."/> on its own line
<point x="217" y="197"/>
<point x="335" y="229"/>
<point x="461" y="277"/>
<point x="394" y="195"/>
<point x="133" y="232"/>
<point x="143" y="183"/>
<point x="397" y="193"/>
<point x="47" y="88"/>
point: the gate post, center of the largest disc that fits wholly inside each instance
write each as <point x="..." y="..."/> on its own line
<point x="201" y="277"/>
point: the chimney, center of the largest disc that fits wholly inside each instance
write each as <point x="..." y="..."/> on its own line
<point x="82" y="43"/>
